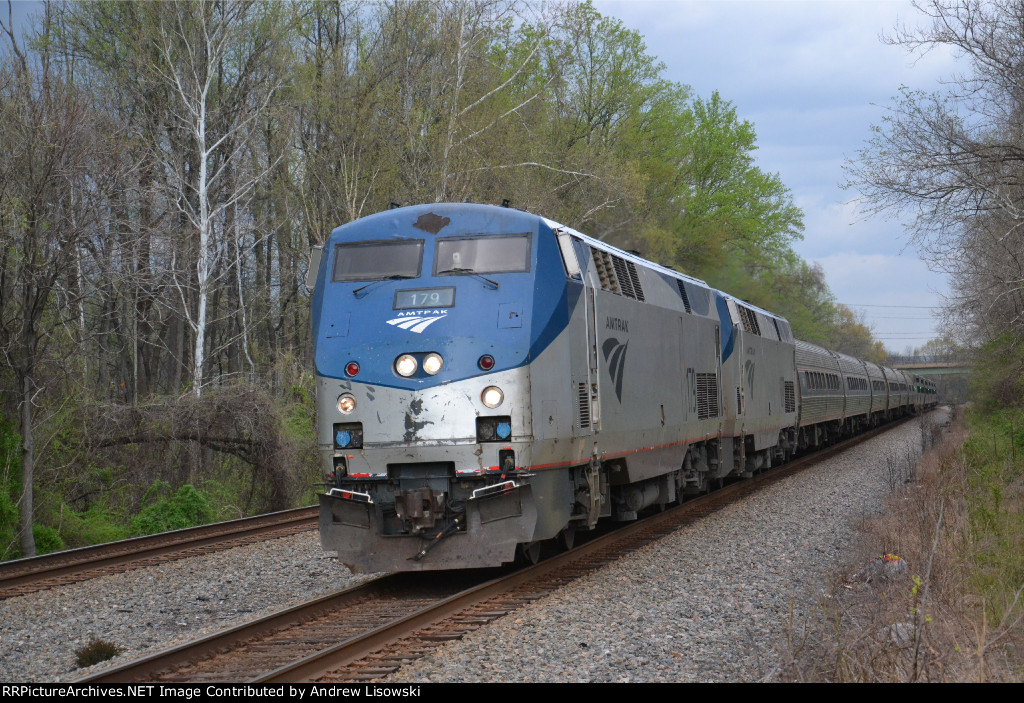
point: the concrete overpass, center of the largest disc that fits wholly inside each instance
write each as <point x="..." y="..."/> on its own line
<point x="926" y="366"/>
<point x="950" y="373"/>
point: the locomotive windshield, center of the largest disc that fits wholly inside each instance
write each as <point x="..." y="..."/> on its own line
<point x="485" y="254"/>
<point x="374" y="261"/>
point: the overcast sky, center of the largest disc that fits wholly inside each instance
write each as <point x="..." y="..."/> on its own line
<point x="812" y="77"/>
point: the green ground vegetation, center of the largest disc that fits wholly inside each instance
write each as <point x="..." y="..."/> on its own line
<point x="994" y="454"/>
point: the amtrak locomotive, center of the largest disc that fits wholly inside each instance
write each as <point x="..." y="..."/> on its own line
<point x="488" y="379"/>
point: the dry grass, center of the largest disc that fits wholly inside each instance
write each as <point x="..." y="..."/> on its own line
<point x="918" y="618"/>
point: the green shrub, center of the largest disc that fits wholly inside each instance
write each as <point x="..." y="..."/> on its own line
<point x="186" y="508"/>
<point x="223" y="499"/>
<point x="47" y="539"/>
<point x="95" y="652"/>
<point x="8" y="527"/>
<point x="95" y="526"/>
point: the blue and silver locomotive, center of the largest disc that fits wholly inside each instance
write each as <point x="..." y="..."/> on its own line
<point x="488" y="379"/>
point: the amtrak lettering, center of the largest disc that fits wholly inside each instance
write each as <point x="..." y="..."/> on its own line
<point x="421" y="313"/>
<point x="614" y="323"/>
<point x="615" y="355"/>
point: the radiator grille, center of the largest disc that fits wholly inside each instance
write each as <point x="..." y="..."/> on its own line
<point x="634" y="278"/>
<point x="790" y="397"/>
<point x="623" y="275"/>
<point x="618" y="275"/>
<point x="583" y="397"/>
<point x="707" y="396"/>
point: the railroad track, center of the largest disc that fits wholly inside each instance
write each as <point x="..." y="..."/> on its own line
<point x="59" y="568"/>
<point x="365" y="633"/>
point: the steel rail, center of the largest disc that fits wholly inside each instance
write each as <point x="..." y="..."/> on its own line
<point x="188" y="652"/>
<point x="424" y="622"/>
<point x="545" y="576"/>
<point x="16" y="575"/>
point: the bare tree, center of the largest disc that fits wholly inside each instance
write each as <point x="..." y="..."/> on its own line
<point x="216" y="61"/>
<point x="55" y="169"/>
<point x="955" y="159"/>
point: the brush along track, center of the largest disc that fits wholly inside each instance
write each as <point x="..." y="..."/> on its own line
<point x="39" y="573"/>
<point x="368" y="632"/>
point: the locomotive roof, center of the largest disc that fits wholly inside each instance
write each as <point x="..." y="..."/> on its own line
<point x="767" y="313"/>
<point x="598" y="244"/>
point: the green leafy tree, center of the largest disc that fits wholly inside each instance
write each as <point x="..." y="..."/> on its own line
<point x="729" y="205"/>
<point x="852" y="336"/>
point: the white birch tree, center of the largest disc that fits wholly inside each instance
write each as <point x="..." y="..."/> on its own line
<point x="217" y="61"/>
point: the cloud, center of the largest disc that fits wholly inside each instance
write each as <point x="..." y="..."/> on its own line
<point x="812" y="77"/>
<point x="896" y="294"/>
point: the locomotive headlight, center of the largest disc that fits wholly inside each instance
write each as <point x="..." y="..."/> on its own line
<point x="492" y="396"/>
<point x="432" y="363"/>
<point x="405" y="365"/>
<point x="346" y="403"/>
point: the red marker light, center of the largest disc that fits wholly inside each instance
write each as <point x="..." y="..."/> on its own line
<point x="351" y="368"/>
<point x="486" y="362"/>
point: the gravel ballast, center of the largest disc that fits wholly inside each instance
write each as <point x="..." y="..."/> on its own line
<point x="148" y="609"/>
<point x="707" y="603"/>
<point x="711" y="602"/>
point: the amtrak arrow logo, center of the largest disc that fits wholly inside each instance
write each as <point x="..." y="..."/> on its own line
<point x="615" y="355"/>
<point x="415" y="323"/>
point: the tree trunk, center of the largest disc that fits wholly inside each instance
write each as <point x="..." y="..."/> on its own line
<point x="28" y="540"/>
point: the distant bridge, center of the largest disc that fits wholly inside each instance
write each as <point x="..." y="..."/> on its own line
<point x="949" y="373"/>
<point x="933" y="365"/>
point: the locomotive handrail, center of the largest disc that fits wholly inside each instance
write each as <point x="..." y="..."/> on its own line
<point x="347" y="494"/>
<point x="487" y="490"/>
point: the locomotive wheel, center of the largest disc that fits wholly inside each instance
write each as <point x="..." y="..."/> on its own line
<point x="567" y="537"/>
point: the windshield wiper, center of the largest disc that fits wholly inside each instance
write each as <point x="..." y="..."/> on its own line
<point x="471" y="272"/>
<point x="395" y="277"/>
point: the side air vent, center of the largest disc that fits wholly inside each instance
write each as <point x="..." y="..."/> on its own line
<point x="684" y="296"/>
<point x="634" y="278"/>
<point x="790" y="396"/>
<point x="707" y="396"/>
<point x="623" y="275"/>
<point x="617" y="275"/>
<point x="583" y="397"/>
<point x="749" y="320"/>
